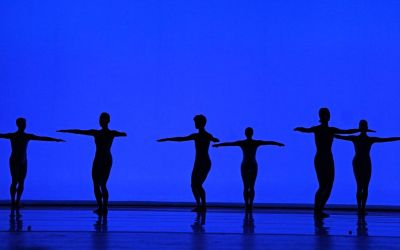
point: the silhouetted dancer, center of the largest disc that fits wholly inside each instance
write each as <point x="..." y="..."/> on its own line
<point x="202" y="163"/>
<point x="249" y="166"/>
<point x="362" y="161"/>
<point x="323" y="161"/>
<point x="102" y="160"/>
<point x="18" y="159"/>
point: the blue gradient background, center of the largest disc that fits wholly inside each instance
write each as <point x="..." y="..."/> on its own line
<point x="153" y="65"/>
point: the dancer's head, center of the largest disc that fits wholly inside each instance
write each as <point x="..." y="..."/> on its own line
<point x="104" y="119"/>
<point x="249" y="132"/>
<point x="363" y="126"/>
<point x="324" y="115"/>
<point x="21" y="123"/>
<point x="200" y="121"/>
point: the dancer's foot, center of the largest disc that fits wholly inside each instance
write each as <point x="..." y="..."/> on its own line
<point x="98" y="211"/>
<point x="12" y="206"/>
<point x="320" y="215"/>
<point x="362" y="212"/>
<point x="17" y="206"/>
<point x="249" y="207"/>
<point x="198" y="209"/>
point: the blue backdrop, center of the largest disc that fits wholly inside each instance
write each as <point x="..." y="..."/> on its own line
<point x="153" y="65"/>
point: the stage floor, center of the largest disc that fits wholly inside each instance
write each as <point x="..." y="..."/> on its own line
<point x="177" y="228"/>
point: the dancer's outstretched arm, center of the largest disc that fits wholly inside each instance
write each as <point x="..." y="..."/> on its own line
<point x="389" y="139"/>
<point x="213" y="139"/>
<point x="178" y="139"/>
<point x="118" y="133"/>
<point x="44" y="138"/>
<point x="305" y="130"/>
<point x="6" y="136"/>
<point x="274" y="143"/>
<point x="346" y="138"/>
<point x="348" y="131"/>
<point x="226" y="144"/>
<point x="78" y="131"/>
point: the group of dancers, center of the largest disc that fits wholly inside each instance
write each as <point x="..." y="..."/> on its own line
<point x="323" y="161"/>
<point x="101" y="164"/>
<point x="324" y="164"/>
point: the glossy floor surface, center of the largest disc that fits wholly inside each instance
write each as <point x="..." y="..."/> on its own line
<point x="177" y="228"/>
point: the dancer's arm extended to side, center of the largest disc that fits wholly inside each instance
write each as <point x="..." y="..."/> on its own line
<point x="348" y="131"/>
<point x="226" y="144"/>
<point x="78" y="131"/>
<point x="178" y="139"/>
<point x="6" y="136"/>
<point x="389" y="139"/>
<point x="44" y="138"/>
<point x="274" y="143"/>
<point x="346" y="138"/>
<point x="213" y="139"/>
<point x="118" y="133"/>
<point x="305" y="130"/>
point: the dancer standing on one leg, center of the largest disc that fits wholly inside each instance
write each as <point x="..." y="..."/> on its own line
<point x="102" y="160"/>
<point x="362" y="161"/>
<point x="323" y="161"/>
<point x="18" y="159"/>
<point x="202" y="163"/>
<point x="249" y="166"/>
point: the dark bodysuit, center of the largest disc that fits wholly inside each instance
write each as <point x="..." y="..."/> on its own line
<point x="103" y="159"/>
<point x="362" y="160"/>
<point x="18" y="158"/>
<point x="323" y="162"/>
<point x="202" y="163"/>
<point x="249" y="166"/>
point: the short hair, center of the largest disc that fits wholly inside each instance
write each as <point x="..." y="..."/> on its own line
<point x="249" y="131"/>
<point x="363" y="123"/>
<point x="323" y="112"/>
<point x="105" y="116"/>
<point x="201" y="120"/>
<point x="20" y="121"/>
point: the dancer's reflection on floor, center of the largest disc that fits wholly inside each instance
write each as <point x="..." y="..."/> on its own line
<point x="199" y="222"/>
<point x="248" y="222"/>
<point x="16" y="223"/>
<point x="319" y="227"/>
<point x="362" y="226"/>
<point x="101" y="224"/>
